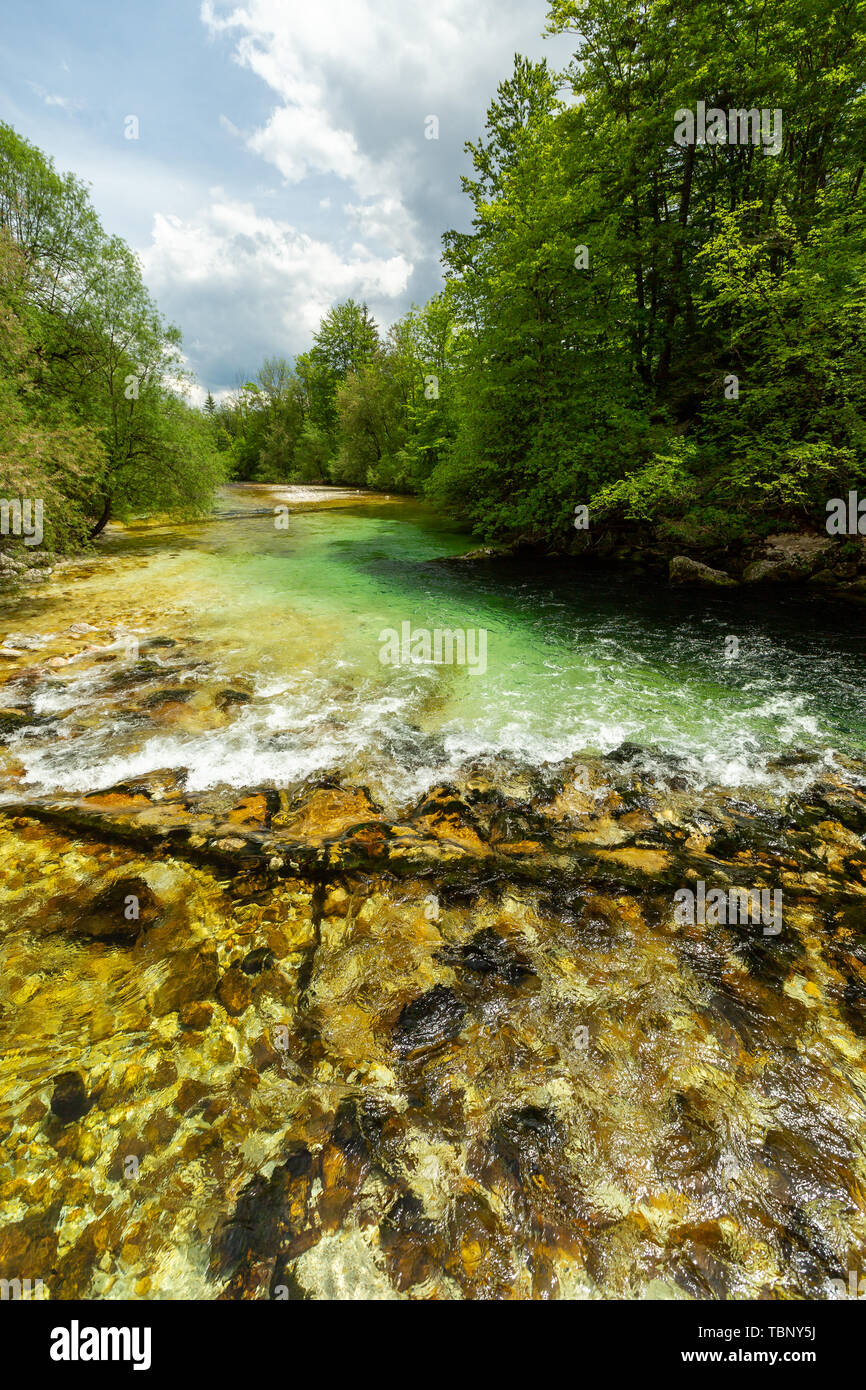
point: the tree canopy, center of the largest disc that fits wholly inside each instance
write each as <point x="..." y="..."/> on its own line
<point x="95" y="419"/>
<point x="668" y="332"/>
<point x="658" y="310"/>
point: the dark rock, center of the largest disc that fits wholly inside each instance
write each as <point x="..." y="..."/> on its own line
<point x="137" y="673"/>
<point x="226" y="698"/>
<point x="69" y="1100"/>
<point x="119" y="913"/>
<point x="432" y="1019"/>
<point x="234" y="991"/>
<point x="257" y="961"/>
<point x="625" y="752"/>
<point x="525" y="1138"/>
<point x="173" y="695"/>
<point x="11" y="720"/>
<point x="273" y="1222"/>
<point x="488" y="953"/>
<point x="408" y="1239"/>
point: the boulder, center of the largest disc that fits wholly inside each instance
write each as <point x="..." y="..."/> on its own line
<point x="770" y="572"/>
<point x="683" y="570"/>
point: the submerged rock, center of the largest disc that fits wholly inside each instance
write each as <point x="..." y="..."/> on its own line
<point x="120" y="912"/>
<point x="234" y="991"/>
<point x="429" y="1021"/>
<point x="488" y="953"/>
<point x="195" y="1015"/>
<point x="257" y="961"/>
<point x="226" y="698"/>
<point x="69" y="1099"/>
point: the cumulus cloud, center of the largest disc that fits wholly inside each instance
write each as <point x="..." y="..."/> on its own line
<point x="354" y="82"/>
<point x="350" y="85"/>
<point x="244" y="285"/>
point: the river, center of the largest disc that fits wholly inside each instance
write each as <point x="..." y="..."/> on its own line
<point x="328" y="976"/>
<point x="575" y="663"/>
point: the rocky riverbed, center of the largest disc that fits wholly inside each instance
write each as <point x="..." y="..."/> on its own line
<point x="283" y="1043"/>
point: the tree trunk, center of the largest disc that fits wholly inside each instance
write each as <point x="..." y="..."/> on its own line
<point x="675" y="295"/>
<point x="103" y="520"/>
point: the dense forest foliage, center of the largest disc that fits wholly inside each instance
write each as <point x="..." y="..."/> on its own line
<point x="357" y="409"/>
<point x="93" y="418"/>
<point x="668" y="328"/>
<point x="669" y="332"/>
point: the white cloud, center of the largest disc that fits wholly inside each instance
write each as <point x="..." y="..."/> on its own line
<point x="229" y="239"/>
<point x="351" y="85"/>
<point x="355" y="80"/>
<point x="52" y="99"/>
<point x="229" y="265"/>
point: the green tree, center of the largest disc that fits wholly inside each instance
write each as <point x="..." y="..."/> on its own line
<point x="98" y="348"/>
<point x="346" y="339"/>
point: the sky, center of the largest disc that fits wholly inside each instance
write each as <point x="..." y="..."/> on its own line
<point x="269" y="159"/>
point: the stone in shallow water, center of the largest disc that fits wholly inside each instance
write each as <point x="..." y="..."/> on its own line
<point x="488" y="953"/>
<point x="234" y="991"/>
<point x="433" y="1018"/>
<point x="272" y="1224"/>
<point x="225" y="698"/>
<point x="524" y="1138"/>
<point x="195" y="1015"/>
<point x="257" y="961"/>
<point x="409" y="1241"/>
<point x="13" y="719"/>
<point x="69" y="1100"/>
<point x="170" y="695"/>
<point x="328" y="813"/>
<point x="120" y="912"/>
<point x="190" y="1093"/>
<point x="136" y="674"/>
<point x="192" y="970"/>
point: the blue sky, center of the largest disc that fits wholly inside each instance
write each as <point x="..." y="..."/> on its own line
<point x="281" y="162"/>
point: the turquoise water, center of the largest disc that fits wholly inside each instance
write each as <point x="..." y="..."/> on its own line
<point x="575" y="663"/>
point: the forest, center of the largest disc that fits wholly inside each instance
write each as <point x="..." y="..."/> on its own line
<point x="658" y="312"/>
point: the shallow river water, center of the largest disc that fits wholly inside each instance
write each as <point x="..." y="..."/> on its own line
<point x="574" y="663"/>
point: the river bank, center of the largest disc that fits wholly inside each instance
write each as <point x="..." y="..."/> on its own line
<point x="802" y="560"/>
